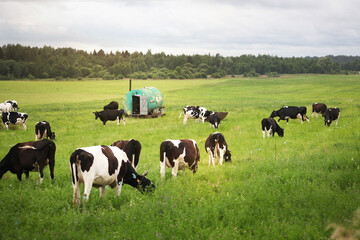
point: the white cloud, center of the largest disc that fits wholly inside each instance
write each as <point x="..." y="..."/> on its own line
<point x="229" y="27"/>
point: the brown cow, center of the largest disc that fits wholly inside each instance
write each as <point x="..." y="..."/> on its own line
<point x="29" y="156"/>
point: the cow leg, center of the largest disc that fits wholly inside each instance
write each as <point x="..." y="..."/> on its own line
<point x="19" y="176"/>
<point x="3" y="171"/>
<point x="76" y="193"/>
<point x="7" y="126"/>
<point x="24" y="126"/>
<point x="104" y="122"/>
<point x="87" y="189"/>
<point x="175" y="168"/>
<point x="221" y="155"/>
<point x="123" y="120"/>
<point x="41" y="173"/>
<point x="26" y="174"/>
<point x="118" y="120"/>
<point x="37" y="135"/>
<point x="185" y="118"/>
<point x="211" y="157"/>
<point x="102" y="191"/>
<point x="162" y="167"/>
<point x="118" y="188"/>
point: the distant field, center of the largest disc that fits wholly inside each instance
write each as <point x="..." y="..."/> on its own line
<point x="310" y="182"/>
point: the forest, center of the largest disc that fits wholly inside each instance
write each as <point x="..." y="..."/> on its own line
<point x="25" y="62"/>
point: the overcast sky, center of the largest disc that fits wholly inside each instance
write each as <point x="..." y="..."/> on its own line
<point x="284" y="28"/>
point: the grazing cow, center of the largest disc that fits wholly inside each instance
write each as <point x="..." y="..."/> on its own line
<point x="287" y="112"/>
<point x="110" y="115"/>
<point x="14" y="105"/>
<point x="132" y="148"/>
<point x="99" y="166"/>
<point x="187" y="108"/>
<point x="112" y="106"/>
<point x="318" y="108"/>
<point x="191" y="112"/>
<point x="43" y="130"/>
<point x="217" y="147"/>
<point x="214" y="120"/>
<point x="270" y="126"/>
<point x="5" y="107"/>
<point x="14" y="118"/>
<point x="331" y="114"/>
<point x="204" y="114"/>
<point x="194" y="112"/>
<point x="30" y="156"/>
<point x="178" y="154"/>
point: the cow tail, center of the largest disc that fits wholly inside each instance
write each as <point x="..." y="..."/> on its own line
<point x="74" y="170"/>
<point x="137" y="153"/>
<point x="162" y="151"/>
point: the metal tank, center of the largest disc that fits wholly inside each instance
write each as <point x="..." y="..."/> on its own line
<point x="143" y="101"/>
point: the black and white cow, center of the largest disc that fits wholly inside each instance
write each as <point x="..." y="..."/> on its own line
<point x="132" y="148"/>
<point x="270" y="126"/>
<point x="287" y="112"/>
<point x="187" y="108"/>
<point x="99" y="166"/>
<point x="5" y="107"/>
<point x="113" y="105"/>
<point x="217" y="147"/>
<point x="331" y="114"/>
<point x="14" y="118"/>
<point x="30" y="156"/>
<point x="318" y="108"/>
<point x="194" y="112"/>
<point x="190" y="112"/>
<point x="43" y="130"/>
<point x="14" y="105"/>
<point x="110" y="115"/>
<point x="178" y="154"/>
<point x="214" y="120"/>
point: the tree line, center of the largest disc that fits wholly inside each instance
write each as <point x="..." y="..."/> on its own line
<point x="25" y="62"/>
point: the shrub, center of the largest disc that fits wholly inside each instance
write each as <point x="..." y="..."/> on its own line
<point x="273" y="74"/>
<point x="119" y="76"/>
<point x="108" y="76"/>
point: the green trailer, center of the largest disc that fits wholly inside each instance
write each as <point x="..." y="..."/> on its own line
<point x="147" y="101"/>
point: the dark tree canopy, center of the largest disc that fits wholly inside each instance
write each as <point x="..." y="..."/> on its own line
<point x="20" y="62"/>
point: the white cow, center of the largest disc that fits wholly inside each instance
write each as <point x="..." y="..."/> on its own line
<point x="98" y="166"/>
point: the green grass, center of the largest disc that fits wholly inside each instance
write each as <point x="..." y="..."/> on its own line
<point x="310" y="182"/>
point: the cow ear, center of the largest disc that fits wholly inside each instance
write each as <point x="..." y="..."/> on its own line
<point x="145" y="173"/>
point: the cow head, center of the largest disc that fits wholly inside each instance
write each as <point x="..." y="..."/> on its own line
<point x="52" y="137"/>
<point x="97" y="114"/>
<point x="137" y="181"/>
<point x="280" y="132"/>
<point x="273" y="114"/>
<point x="227" y="156"/>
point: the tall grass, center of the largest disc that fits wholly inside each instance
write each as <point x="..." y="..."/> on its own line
<point x="292" y="187"/>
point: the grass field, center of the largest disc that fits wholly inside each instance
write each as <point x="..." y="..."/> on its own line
<point x="311" y="181"/>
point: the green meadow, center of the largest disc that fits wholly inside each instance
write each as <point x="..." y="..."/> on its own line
<point x="295" y="187"/>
